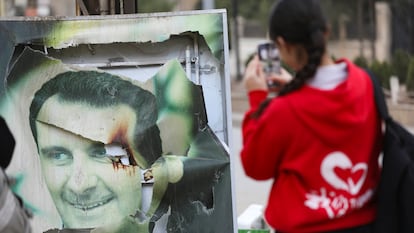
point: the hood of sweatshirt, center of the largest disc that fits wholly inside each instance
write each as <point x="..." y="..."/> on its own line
<point x="331" y="115"/>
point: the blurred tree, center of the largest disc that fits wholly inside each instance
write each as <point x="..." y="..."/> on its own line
<point x="409" y="82"/>
<point x="252" y="10"/>
<point x="97" y="7"/>
<point x="249" y="9"/>
<point x="402" y="24"/>
<point x="400" y="61"/>
<point x="361" y="62"/>
<point x="259" y="11"/>
<point x="155" y="6"/>
<point x="383" y="71"/>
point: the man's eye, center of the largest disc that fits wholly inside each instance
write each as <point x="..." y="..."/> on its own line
<point x="99" y="153"/>
<point x="58" y="157"/>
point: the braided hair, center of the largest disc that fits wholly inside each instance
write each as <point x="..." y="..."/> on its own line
<point x="302" y="23"/>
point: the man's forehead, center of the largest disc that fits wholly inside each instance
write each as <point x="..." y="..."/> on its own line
<point x="95" y="123"/>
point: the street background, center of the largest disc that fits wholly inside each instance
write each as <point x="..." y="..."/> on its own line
<point x="247" y="190"/>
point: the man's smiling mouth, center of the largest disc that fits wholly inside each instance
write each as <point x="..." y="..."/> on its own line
<point x="89" y="205"/>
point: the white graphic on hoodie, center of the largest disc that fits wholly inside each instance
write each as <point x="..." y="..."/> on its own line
<point x="339" y="172"/>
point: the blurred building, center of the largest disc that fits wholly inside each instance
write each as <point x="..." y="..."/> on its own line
<point x="69" y="7"/>
<point x="345" y="43"/>
<point x="37" y="8"/>
<point x="7" y="8"/>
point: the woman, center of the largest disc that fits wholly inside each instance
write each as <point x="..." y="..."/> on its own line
<point x="319" y="139"/>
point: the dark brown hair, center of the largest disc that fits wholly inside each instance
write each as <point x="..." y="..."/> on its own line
<point x="302" y="23"/>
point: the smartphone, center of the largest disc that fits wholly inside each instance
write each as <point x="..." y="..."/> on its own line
<point x="269" y="56"/>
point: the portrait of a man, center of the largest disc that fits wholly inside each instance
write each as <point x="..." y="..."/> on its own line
<point x="95" y="134"/>
<point x="109" y="153"/>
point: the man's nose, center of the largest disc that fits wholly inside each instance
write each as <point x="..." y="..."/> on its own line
<point x="83" y="177"/>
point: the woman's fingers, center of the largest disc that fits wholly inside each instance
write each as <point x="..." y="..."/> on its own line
<point x="277" y="81"/>
<point x="282" y="78"/>
<point x="254" y="78"/>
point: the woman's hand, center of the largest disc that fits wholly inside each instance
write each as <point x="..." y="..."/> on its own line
<point x="256" y="79"/>
<point x="278" y="80"/>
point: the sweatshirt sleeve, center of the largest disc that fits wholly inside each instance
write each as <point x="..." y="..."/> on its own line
<point x="263" y="138"/>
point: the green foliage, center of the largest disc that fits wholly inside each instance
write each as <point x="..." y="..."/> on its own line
<point x="249" y="9"/>
<point x="400" y="60"/>
<point x="409" y="82"/>
<point x="401" y="65"/>
<point x="155" y="6"/>
<point x="334" y="9"/>
<point x="383" y="71"/>
<point x="361" y="62"/>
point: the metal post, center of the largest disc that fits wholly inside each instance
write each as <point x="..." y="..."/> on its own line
<point x="236" y="38"/>
<point x="81" y="5"/>
<point x="208" y="4"/>
<point x="360" y="5"/>
<point x="130" y="7"/>
<point x="77" y="8"/>
<point x="112" y="7"/>
<point x="103" y="7"/>
<point x="2" y="8"/>
<point x="121" y="7"/>
<point x="371" y="9"/>
<point x="106" y="7"/>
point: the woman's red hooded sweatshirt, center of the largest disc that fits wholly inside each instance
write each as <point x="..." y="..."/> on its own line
<point x="321" y="148"/>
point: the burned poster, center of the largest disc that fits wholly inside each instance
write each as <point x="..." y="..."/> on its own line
<point x="118" y="134"/>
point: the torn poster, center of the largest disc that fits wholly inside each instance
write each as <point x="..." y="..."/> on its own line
<point x="120" y="125"/>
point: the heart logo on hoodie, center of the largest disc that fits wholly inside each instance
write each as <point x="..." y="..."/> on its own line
<point x="339" y="171"/>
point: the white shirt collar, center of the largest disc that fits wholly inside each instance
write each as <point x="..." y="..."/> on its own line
<point x="328" y="77"/>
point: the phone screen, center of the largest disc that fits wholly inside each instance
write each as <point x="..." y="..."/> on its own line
<point x="269" y="56"/>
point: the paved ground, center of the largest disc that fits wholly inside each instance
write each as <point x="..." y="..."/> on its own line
<point x="247" y="190"/>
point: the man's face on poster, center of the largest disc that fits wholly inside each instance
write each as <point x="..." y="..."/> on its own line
<point x="90" y="186"/>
